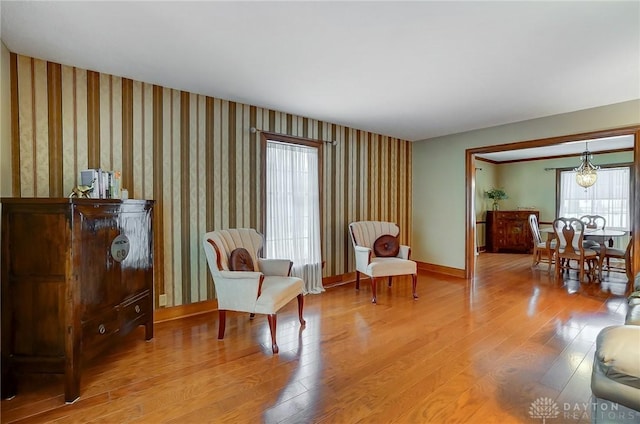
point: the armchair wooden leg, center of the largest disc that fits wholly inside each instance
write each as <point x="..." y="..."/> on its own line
<point x="222" y="322"/>
<point x="389" y="281"/>
<point x="273" y="319"/>
<point x="357" y="280"/>
<point x="373" y="290"/>
<point x="414" y="284"/>
<point x="300" y="307"/>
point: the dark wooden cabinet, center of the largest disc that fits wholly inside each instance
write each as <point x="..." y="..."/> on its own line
<point x="76" y="275"/>
<point x="509" y="231"/>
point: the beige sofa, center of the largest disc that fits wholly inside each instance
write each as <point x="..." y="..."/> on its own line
<point x="615" y="378"/>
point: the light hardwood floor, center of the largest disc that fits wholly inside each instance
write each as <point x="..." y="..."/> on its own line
<point x="464" y="352"/>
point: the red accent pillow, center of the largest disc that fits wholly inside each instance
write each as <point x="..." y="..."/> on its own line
<point x="386" y="246"/>
<point x="240" y="260"/>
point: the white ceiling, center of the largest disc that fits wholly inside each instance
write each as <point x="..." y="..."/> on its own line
<point x="576" y="148"/>
<point x="412" y="70"/>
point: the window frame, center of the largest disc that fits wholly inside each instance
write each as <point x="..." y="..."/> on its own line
<point x="264" y="137"/>
<point x="629" y="165"/>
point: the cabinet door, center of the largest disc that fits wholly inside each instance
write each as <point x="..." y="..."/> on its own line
<point x="515" y="233"/>
<point x="95" y="226"/>
<point x="137" y="265"/>
<point x="137" y="268"/>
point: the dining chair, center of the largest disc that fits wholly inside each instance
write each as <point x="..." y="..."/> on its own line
<point x="543" y="251"/>
<point x="570" y="235"/>
<point x="593" y="222"/>
<point x="621" y="254"/>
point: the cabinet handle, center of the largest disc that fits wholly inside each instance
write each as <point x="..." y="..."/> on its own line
<point x="102" y="329"/>
<point x="137" y="309"/>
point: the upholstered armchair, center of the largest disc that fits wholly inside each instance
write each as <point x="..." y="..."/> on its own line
<point x="245" y="282"/>
<point x="379" y="254"/>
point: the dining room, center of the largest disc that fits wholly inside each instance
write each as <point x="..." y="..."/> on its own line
<point x="544" y="180"/>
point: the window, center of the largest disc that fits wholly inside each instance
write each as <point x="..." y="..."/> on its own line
<point x="608" y="197"/>
<point x="293" y="210"/>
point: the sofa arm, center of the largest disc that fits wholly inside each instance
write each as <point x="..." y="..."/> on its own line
<point x="275" y="267"/>
<point x="633" y="309"/>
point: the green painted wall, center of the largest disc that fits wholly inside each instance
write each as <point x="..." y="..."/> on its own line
<point x="528" y="184"/>
<point x="439" y="174"/>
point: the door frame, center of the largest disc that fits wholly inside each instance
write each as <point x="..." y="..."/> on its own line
<point x="470" y="185"/>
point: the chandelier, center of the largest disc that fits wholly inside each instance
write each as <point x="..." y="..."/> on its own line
<point x="586" y="174"/>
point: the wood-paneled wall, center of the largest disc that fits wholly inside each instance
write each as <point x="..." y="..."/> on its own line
<point x="196" y="157"/>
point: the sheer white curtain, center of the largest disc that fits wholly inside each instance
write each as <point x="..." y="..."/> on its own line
<point x="608" y="197"/>
<point x="293" y="210"/>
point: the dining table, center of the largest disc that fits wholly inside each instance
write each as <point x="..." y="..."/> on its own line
<point x="601" y="235"/>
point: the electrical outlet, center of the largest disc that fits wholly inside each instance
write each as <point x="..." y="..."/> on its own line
<point x="162" y="300"/>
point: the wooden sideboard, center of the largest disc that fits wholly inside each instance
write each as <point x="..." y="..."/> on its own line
<point x="509" y="231"/>
<point x="76" y="275"/>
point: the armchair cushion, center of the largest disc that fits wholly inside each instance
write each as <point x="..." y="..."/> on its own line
<point x="240" y="260"/>
<point x="277" y="292"/>
<point x="386" y="246"/>
<point x="386" y="267"/>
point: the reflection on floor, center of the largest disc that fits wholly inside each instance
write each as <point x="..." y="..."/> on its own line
<point x="492" y="350"/>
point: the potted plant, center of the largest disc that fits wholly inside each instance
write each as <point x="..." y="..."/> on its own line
<point x="496" y="194"/>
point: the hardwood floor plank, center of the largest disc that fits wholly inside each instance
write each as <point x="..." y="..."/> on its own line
<point x="477" y="351"/>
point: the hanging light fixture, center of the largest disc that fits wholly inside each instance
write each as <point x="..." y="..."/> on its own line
<point x="586" y="174"/>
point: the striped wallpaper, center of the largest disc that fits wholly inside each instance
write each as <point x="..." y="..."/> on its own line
<point x="197" y="158"/>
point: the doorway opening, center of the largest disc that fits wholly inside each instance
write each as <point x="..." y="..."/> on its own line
<point x="470" y="184"/>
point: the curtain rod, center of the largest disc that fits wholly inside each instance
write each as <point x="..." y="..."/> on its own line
<point x="254" y="130"/>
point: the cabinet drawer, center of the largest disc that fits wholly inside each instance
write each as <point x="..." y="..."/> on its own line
<point x="98" y="331"/>
<point x="524" y="215"/>
<point x="135" y="311"/>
